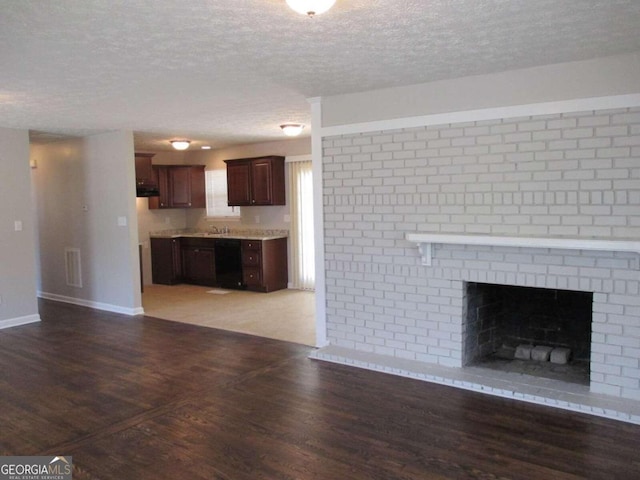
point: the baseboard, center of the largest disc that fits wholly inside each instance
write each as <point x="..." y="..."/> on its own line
<point x="91" y="304"/>
<point x="14" y="322"/>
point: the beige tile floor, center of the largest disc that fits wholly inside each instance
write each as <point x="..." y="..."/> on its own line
<point x="287" y="315"/>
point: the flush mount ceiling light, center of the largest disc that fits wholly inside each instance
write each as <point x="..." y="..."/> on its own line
<point x="180" y="144"/>
<point x="206" y="147"/>
<point x="310" y="7"/>
<point x="292" y="129"/>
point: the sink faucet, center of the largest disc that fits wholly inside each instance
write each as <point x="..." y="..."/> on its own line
<point x="220" y="231"/>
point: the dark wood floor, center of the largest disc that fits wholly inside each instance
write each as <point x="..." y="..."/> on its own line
<point x="141" y="398"/>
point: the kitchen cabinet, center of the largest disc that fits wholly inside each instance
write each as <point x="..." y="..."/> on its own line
<point x="166" y="265"/>
<point x="198" y="264"/>
<point x="257" y="265"/>
<point x="146" y="181"/>
<point x="256" y="181"/>
<point x="238" y="183"/>
<point x="264" y="264"/>
<point x="180" y="186"/>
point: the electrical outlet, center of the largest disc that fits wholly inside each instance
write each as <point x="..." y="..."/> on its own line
<point x="257" y="218"/>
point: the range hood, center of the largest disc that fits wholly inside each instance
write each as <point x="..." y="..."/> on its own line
<point x="147" y="191"/>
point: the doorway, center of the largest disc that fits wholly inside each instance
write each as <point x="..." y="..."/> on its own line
<point x="287" y="315"/>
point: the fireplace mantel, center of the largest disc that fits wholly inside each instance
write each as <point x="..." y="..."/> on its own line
<point x="426" y="240"/>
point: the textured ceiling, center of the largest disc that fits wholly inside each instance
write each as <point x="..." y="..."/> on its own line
<point x="229" y="72"/>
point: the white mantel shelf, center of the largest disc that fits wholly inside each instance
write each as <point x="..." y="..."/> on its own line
<point x="426" y="240"/>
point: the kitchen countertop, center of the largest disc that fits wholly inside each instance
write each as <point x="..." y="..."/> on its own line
<point x="238" y="236"/>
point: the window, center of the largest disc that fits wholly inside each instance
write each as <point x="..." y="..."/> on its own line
<point x="216" y="185"/>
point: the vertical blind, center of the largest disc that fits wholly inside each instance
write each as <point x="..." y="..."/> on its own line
<point x="302" y="240"/>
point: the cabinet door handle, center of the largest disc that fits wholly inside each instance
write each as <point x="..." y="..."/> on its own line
<point x="189" y="204"/>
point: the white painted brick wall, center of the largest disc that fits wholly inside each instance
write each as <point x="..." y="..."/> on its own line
<point x="573" y="175"/>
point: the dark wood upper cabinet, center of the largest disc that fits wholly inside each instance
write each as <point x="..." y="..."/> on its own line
<point x="262" y="178"/>
<point x="239" y="183"/>
<point x="256" y="181"/>
<point x="161" y="201"/>
<point x="144" y="170"/>
<point x="181" y="186"/>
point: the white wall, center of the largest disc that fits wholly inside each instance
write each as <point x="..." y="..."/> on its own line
<point x="83" y="187"/>
<point x="615" y="75"/>
<point x="17" y="255"/>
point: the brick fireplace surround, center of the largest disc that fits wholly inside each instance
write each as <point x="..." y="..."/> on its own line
<point x="571" y="176"/>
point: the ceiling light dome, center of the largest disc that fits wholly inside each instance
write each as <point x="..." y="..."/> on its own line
<point x="292" y="129"/>
<point x="310" y="7"/>
<point x="180" y="144"/>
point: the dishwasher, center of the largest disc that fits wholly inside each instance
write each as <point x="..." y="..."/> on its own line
<point x="228" y="260"/>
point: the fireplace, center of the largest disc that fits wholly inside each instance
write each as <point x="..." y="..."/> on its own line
<point x="505" y="323"/>
<point x="602" y="274"/>
<point x="419" y="327"/>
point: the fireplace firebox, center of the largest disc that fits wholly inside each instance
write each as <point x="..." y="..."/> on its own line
<point x="504" y="324"/>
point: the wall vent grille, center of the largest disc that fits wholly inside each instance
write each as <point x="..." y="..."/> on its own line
<point x="73" y="267"/>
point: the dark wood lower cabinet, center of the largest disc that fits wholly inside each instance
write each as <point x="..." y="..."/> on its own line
<point x="264" y="264"/>
<point x="166" y="265"/>
<point x="198" y="266"/>
<point x="193" y="260"/>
